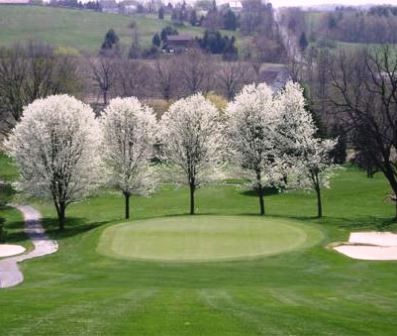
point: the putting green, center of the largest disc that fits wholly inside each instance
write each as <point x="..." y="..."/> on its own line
<point x="206" y="238"/>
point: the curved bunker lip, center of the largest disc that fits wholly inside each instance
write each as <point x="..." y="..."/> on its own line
<point x="370" y="246"/>
<point x="8" y="250"/>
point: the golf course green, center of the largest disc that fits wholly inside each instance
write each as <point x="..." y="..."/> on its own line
<point x="205" y="238"/>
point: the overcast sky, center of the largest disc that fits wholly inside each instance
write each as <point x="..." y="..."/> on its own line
<point x="279" y="3"/>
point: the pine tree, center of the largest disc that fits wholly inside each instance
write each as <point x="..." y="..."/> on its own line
<point x="156" y="40"/>
<point x="303" y="43"/>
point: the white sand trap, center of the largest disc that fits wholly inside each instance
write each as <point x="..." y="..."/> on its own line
<point x="374" y="238"/>
<point x="370" y="246"/>
<point x="10" y="250"/>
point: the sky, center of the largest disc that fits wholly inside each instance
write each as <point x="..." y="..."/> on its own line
<point x="278" y="3"/>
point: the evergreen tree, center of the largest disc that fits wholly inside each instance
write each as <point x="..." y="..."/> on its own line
<point x="321" y="128"/>
<point x="230" y="20"/>
<point x="193" y="18"/>
<point x="156" y="40"/>
<point x="303" y="43"/>
<point x="161" y="13"/>
<point x="338" y="154"/>
<point x="111" y="41"/>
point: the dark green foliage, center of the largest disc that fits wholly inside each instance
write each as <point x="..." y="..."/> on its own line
<point x="332" y="22"/>
<point x="229" y="20"/>
<point x="111" y="41"/>
<point x="338" y="154"/>
<point x="161" y="13"/>
<point x="156" y="41"/>
<point x="215" y="43"/>
<point x="193" y="18"/>
<point x="2" y="231"/>
<point x="167" y="31"/>
<point x="303" y="42"/>
<point x="320" y="126"/>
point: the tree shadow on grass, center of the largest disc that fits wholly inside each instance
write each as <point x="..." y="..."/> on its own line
<point x="73" y="226"/>
<point x="14" y="232"/>
<point x="253" y="193"/>
<point x="366" y="223"/>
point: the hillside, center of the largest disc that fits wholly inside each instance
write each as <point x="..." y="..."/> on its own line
<point x="82" y="30"/>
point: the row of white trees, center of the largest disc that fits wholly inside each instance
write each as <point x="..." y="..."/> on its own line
<point x="64" y="152"/>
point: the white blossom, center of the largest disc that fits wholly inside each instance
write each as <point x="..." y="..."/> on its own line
<point x="252" y="120"/>
<point x="192" y="142"/>
<point x="306" y="158"/>
<point x="55" y="146"/>
<point x="129" y="134"/>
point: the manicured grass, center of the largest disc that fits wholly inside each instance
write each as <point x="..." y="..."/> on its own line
<point x="205" y="238"/>
<point x="82" y="30"/>
<point x="313" y="291"/>
<point x="8" y="171"/>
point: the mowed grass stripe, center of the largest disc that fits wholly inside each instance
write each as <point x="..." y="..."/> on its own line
<point x="205" y="238"/>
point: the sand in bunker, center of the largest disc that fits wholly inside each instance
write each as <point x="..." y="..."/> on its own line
<point x="370" y="246"/>
<point x="7" y="250"/>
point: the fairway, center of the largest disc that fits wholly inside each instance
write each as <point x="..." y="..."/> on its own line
<point x="205" y="238"/>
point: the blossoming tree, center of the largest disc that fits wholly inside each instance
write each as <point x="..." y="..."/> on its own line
<point x="191" y="137"/>
<point x="129" y="134"/>
<point x="251" y="128"/>
<point x="55" y="146"/>
<point x="307" y="158"/>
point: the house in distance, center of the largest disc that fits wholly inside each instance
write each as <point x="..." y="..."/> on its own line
<point x="179" y="43"/>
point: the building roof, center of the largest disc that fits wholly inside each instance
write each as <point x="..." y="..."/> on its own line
<point x="180" y="38"/>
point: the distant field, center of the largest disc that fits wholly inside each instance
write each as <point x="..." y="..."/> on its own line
<point x="82" y="30"/>
<point x="312" y="22"/>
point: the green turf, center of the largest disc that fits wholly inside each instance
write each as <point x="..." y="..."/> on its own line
<point x="312" y="291"/>
<point x="205" y="238"/>
<point x="82" y="30"/>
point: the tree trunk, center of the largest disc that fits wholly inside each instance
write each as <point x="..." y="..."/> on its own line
<point x="260" y="194"/>
<point x="61" y="209"/>
<point x="105" y="97"/>
<point x="127" y="204"/>
<point x="261" y="202"/>
<point x="319" y="203"/>
<point x="192" y="190"/>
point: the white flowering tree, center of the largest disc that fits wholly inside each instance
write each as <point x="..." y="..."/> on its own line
<point x="55" y="145"/>
<point x="252" y="121"/>
<point x="306" y="158"/>
<point x="129" y="134"/>
<point x="191" y="138"/>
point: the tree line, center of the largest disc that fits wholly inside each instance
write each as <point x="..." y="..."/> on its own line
<point x="64" y="152"/>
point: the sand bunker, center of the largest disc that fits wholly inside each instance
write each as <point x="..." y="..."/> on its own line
<point x="10" y="250"/>
<point x="370" y="246"/>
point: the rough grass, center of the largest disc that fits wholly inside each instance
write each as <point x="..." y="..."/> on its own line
<point x="82" y="30"/>
<point x="315" y="291"/>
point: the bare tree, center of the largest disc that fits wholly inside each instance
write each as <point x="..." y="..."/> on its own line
<point x="133" y="78"/>
<point x="32" y="71"/>
<point x="104" y="73"/>
<point x="165" y="78"/>
<point x="366" y="84"/>
<point x="195" y="71"/>
<point x="232" y="76"/>
<point x="13" y="76"/>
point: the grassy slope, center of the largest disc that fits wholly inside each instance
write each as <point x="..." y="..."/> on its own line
<point x="313" y="19"/>
<point x="82" y="30"/>
<point x="311" y="292"/>
<point x="13" y="224"/>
